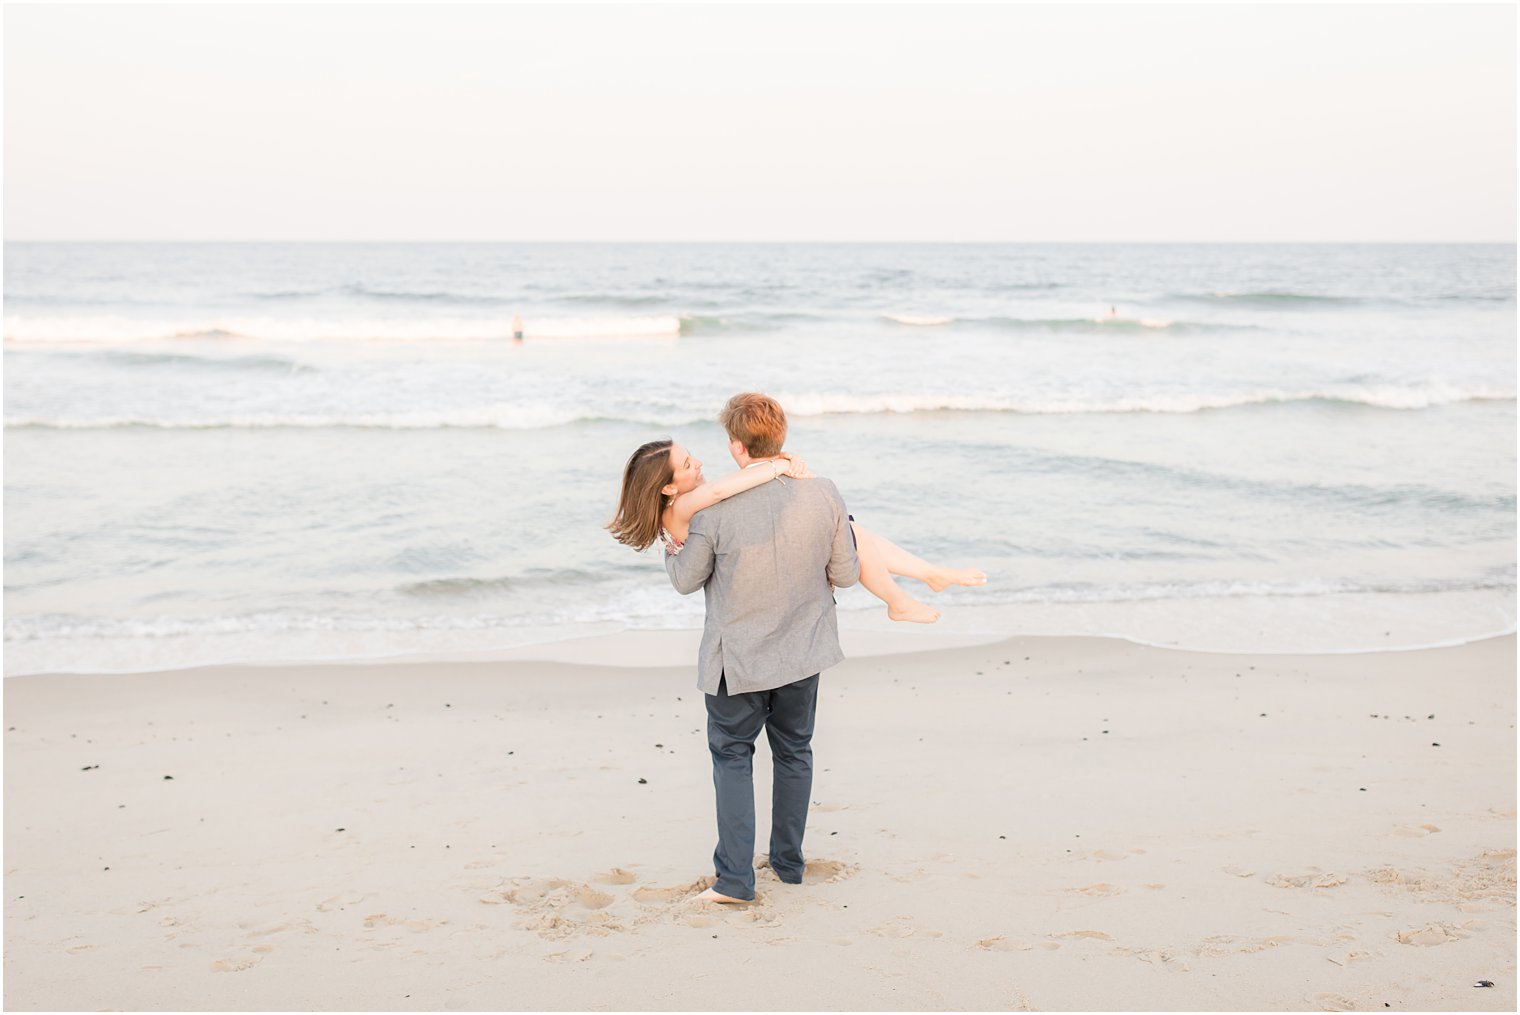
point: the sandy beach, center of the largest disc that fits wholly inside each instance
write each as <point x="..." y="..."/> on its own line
<point x="1040" y="824"/>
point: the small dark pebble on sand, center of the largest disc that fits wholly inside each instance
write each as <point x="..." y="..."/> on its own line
<point x="833" y="833"/>
<point x="659" y="745"/>
<point x="168" y="777"/>
<point x="88" y="767"/>
<point x="1484" y="983"/>
<point x="1002" y="837"/>
<point x="1434" y="744"/>
<point x="341" y="829"/>
<point x="1361" y="789"/>
<point x="643" y="782"/>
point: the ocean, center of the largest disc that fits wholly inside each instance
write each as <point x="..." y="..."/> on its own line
<point x="222" y="453"/>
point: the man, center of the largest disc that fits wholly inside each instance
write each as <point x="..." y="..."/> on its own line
<point x="766" y="560"/>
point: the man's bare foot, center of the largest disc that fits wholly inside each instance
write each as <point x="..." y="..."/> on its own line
<point x="942" y="578"/>
<point x="913" y="612"/>
<point x="712" y="896"/>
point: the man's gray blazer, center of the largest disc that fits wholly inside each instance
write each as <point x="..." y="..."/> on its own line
<point x="766" y="559"/>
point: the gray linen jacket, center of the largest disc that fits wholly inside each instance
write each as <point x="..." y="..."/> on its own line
<point x="765" y="559"/>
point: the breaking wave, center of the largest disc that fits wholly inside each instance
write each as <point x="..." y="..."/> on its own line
<point x="532" y="416"/>
<point x="121" y="330"/>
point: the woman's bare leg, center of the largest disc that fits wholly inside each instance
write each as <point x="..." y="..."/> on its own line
<point x="875" y="576"/>
<point x="903" y="564"/>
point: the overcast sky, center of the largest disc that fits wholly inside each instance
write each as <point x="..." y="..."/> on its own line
<point x="978" y="123"/>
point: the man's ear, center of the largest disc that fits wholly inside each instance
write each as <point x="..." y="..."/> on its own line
<point x="736" y="449"/>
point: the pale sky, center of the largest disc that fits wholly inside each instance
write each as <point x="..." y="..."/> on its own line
<point x="789" y="123"/>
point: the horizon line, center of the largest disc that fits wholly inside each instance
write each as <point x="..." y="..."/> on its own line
<point x="657" y="242"/>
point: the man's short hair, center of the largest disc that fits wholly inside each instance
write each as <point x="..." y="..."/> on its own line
<point x="757" y="422"/>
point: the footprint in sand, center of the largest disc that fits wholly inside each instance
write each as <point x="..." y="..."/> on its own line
<point x="616" y="876"/>
<point x="1113" y="854"/>
<point x="1220" y="945"/>
<point x="236" y="964"/>
<point x="251" y="955"/>
<point x="1346" y="958"/>
<point x="651" y="895"/>
<point x="1435" y="934"/>
<point x="303" y="926"/>
<point x="383" y="920"/>
<point x="1096" y="935"/>
<point x="1101" y="888"/>
<point x="590" y="898"/>
<point x="816" y="871"/>
<point x="827" y="871"/>
<point x="903" y="927"/>
<point x="529" y="891"/>
<point x="342" y="901"/>
<point x="556" y="908"/>
<point x="1327" y="880"/>
<point x="1169" y="958"/>
<point x="1415" y="831"/>
<point x="569" y="956"/>
<point x="1002" y="944"/>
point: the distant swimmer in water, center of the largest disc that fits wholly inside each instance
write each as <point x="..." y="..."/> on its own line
<point x="1113" y="312"/>
<point x="517" y="328"/>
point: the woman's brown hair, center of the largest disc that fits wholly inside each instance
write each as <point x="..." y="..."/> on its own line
<point x="641" y="504"/>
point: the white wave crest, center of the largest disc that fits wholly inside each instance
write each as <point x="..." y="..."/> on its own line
<point x="541" y="415"/>
<point x="1144" y="322"/>
<point x="1385" y="397"/>
<point x="118" y="330"/>
<point x="506" y="417"/>
<point x="923" y="320"/>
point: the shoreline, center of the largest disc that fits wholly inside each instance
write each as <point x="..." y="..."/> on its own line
<point x="670" y="648"/>
<point x="863" y="633"/>
<point x="1040" y="823"/>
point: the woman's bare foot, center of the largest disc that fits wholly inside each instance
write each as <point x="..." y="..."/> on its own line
<point x="942" y="578"/>
<point x="712" y="896"/>
<point x="913" y="612"/>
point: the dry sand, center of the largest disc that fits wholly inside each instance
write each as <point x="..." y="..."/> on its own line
<point x="1040" y="824"/>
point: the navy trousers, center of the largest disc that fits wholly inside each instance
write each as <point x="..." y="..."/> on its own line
<point x="734" y="722"/>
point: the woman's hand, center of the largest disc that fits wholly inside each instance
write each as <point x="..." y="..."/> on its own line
<point x="796" y="467"/>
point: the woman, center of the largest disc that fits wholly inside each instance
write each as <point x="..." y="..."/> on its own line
<point x="663" y="488"/>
